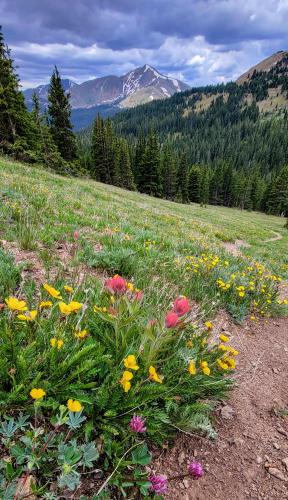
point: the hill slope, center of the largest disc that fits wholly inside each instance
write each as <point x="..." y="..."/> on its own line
<point x="264" y="65"/>
<point x="243" y="123"/>
<point x="116" y="223"/>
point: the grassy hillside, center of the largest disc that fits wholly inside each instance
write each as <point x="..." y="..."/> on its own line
<point x="96" y="373"/>
<point x="142" y="238"/>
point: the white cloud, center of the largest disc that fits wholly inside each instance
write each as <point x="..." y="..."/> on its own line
<point x="193" y="60"/>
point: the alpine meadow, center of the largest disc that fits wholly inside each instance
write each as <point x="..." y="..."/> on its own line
<point x="143" y="250"/>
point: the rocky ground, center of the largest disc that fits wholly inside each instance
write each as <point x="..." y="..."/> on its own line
<point x="249" y="459"/>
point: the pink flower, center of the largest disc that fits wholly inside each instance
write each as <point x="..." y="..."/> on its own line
<point x="137" y="424"/>
<point x="171" y="319"/>
<point x="158" y="484"/>
<point x="75" y="235"/>
<point x="116" y="284"/>
<point x="139" y="295"/>
<point x="181" y="306"/>
<point x="195" y="469"/>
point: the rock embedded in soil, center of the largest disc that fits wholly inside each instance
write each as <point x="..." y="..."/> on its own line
<point x="277" y="473"/>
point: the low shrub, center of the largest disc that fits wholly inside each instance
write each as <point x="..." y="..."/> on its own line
<point x="90" y="379"/>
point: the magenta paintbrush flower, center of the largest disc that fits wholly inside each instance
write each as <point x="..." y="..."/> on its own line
<point x="137" y="424"/>
<point x="195" y="469"/>
<point x="158" y="484"/>
<point x="181" y="306"/>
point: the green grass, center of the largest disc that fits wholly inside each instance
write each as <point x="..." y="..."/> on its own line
<point x="40" y="209"/>
<point x="63" y="229"/>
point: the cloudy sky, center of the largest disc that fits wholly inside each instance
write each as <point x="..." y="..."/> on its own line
<point x="198" y="41"/>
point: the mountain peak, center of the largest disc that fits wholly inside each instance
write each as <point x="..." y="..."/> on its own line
<point x="264" y="65"/>
<point x="144" y="83"/>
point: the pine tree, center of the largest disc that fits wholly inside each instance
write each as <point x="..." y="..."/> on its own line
<point x="194" y="184"/>
<point x="103" y="151"/>
<point x="204" y="187"/>
<point x="138" y="162"/>
<point x="168" y="173"/>
<point x="59" y="112"/>
<point x="182" y="180"/>
<point x="47" y="151"/>
<point x="17" y="131"/>
<point x="150" y="181"/>
<point x="125" y="177"/>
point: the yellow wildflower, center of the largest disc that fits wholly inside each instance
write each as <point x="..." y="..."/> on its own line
<point x="153" y="375"/>
<point x="45" y="304"/>
<point x="74" y="405"/>
<point x="125" y="380"/>
<point x="192" y="368"/>
<point x="37" y="393"/>
<point x="241" y="294"/>
<point x="68" y="288"/>
<point x="52" y="291"/>
<point x="130" y="362"/>
<point x="75" y="306"/>
<point x="71" y="307"/>
<point x="223" y="338"/>
<point x="81" y="334"/>
<point x="56" y="343"/>
<point x="15" y="304"/>
<point x="223" y="347"/>
<point x="205" y="368"/>
<point x="64" y="308"/>
<point x="130" y="286"/>
<point x="27" y="316"/>
<point x="209" y="325"/>
<point x="230" y="362"/>
<point x="222" y="365"/>
<point x="233" y="351"/>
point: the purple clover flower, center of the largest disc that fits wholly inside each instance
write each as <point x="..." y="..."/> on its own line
<point x="159" y="484"/>
<point x="195" y="469"/>
<point x="137" y="424"/>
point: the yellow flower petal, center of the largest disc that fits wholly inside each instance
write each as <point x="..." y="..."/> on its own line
<point x="125" y="380"/>
<point x="74" y="405"/>
<point x="223" y="338"/>
<point x="27" y="316"/>
<point x="81" y="334"/>
<point x="52" y="291"/>
<point x="45" y="304"/>
<point x="153" y="375"/>
<point x="208" y="325"/>
<point x="37" y="393"/>
<point x="130" y="362"/>
<point x="16" y="305"/>
<point x="192" y="368"/>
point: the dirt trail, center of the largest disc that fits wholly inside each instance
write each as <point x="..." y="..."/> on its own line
<point x="252" y="444"/>
<point x="277" y="237"/>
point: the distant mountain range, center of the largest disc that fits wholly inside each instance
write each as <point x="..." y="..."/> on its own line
<point x="265" y="83"/>
<point x="111" y="93"/>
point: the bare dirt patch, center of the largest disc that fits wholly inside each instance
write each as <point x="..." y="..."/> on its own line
<point x="283" y="290"/>
<point x="32" y="268"/>
<point x="235" y="248"/>
<point x="249" y="459"/>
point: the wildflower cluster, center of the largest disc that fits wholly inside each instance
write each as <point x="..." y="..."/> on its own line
<point x="252" y="287"/>
<point x="100" y="361"/>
